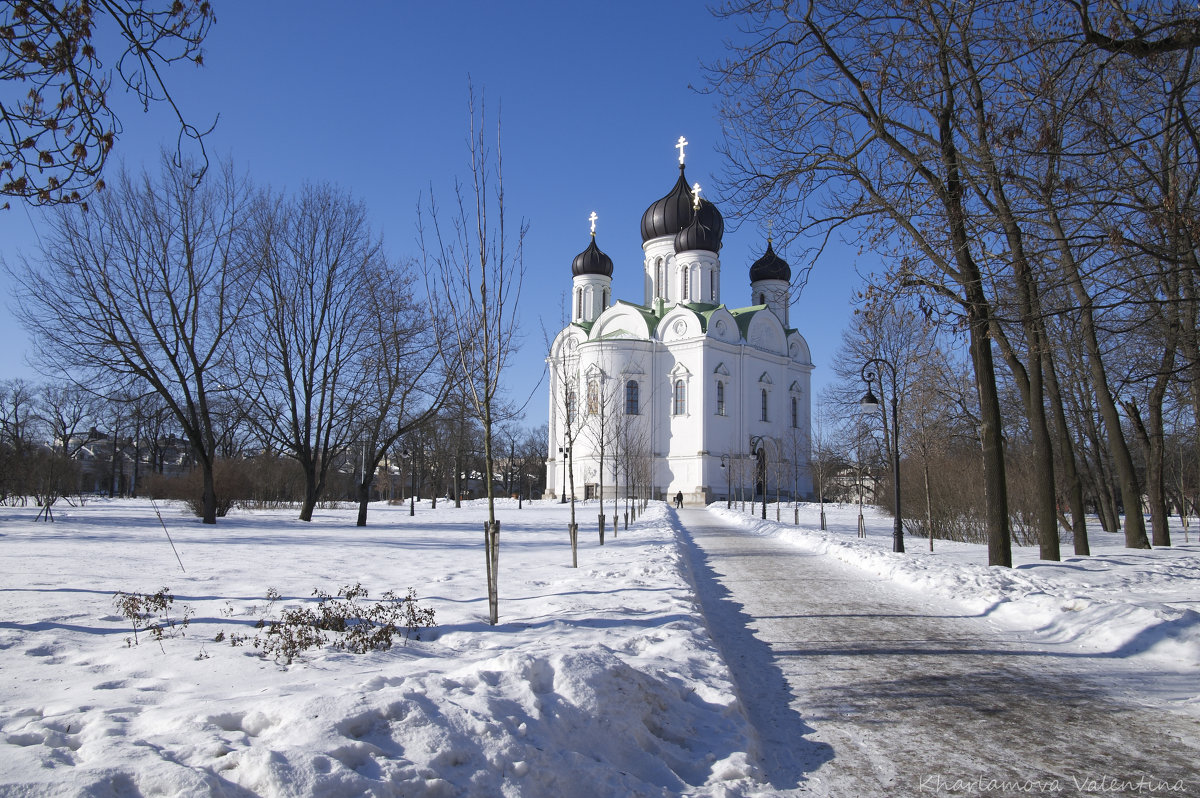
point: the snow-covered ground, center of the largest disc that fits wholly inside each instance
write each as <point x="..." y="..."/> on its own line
<point x="600" y="680"/>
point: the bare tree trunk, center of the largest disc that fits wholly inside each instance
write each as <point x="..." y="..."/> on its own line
<point x="209" y="497"/>
<point x="1073" y="487"/>
<point x="1135" y="524"/>
<point x="1151" y="438"/>
<point x="1028" y="376"/>
<point x="364" y="499"/>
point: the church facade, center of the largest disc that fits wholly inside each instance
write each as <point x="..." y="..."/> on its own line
<point x="680" y="393"/>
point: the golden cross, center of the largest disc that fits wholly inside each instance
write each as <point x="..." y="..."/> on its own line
<point x="695" y="196"/>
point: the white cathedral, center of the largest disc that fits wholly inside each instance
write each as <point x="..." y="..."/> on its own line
<point x="680" y="394"/>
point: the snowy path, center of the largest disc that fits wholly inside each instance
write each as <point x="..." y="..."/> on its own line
<point x="859" y="687"/>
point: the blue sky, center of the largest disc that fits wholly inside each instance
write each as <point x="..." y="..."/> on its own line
<point x="372" y="96"/>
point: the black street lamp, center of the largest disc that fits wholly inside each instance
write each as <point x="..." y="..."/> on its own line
<point x="728" y="489"/>
<point x="565" y="451"/>
<point x="870" y="402"/>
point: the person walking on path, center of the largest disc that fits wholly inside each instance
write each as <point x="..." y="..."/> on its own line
<point x="679" y="500"/>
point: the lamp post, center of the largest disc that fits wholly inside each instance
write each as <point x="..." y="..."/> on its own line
<point x="728" y="488"/>
<point x="870" y="402"/>
<point x="565" y="451"/>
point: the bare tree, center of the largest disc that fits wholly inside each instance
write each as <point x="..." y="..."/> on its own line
<point x="404" y="384"/>
<point x="18" y="418"/>
<point x="146" y="286"/>
<point x="600" y="423"/>
<point x="68" y="411"/>
<point x="532" y="451"/>
<point x="569" y="419"/>
<point x="476" y="264"/>
<point x="58" y="130"/>
<point x="888" y="162"/>
<point x="824" y="462"/>
<point x="305" y="342"/>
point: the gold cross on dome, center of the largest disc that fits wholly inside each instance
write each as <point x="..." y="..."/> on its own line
<point x="593" y="219"/>
<point x="679" y="145"/>
<point x="695" y="196"/>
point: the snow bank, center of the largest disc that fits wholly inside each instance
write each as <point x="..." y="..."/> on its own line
<point x="599" y="681"/>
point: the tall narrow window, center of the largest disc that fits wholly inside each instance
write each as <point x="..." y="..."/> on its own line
<point x="593" y="398"/>
<point x="605" y="298"/>
<point x="795" y="413"/>
<point x="570" y="402"/>
<point x="631" y="398"/>
<point x="762" y="299"/>
<point x="659" y="280"/>
<point x="683" y="284"/>
<point x="720" y="398"/>
<point x="712" y="286"/>
<point x="578" y="302"/>
<point x="680" y="404"/>
<point x="764" y="405"/>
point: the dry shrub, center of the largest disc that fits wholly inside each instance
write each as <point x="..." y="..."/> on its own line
<point x="257" y="482"/>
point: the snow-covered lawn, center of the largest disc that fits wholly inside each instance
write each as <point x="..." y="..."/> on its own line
<point x="599" y="681"/>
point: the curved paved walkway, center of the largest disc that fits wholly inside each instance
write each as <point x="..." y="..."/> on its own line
<point x="858" y="687"/>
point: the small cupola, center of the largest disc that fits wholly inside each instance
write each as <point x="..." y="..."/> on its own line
<point x="592" y="261"/>
<point x="770" y="267"/>
<point x="770" y="283"/>
<point x="592" y="272"/>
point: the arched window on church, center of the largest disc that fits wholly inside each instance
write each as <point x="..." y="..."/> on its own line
<point x="762" y="299"/>
<point x="659" y="280"/>
<point x="712" y="286"/>
<point x="679" y="405"/>
<point x="720" y="398"/>
<point x="631" y="398"/>
<point x="795" y="413"/>
<point x="593" y="398"/>
<point x="683" y="284"/>
<point x="764" y="405"/>
<point x="578" y="302"/>
<point x="605" y="299"/>
<point x="570" y="407"/>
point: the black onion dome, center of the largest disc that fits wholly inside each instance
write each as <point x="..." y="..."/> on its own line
<point x="770" y="267"/>
<point x="592" y="261"/>
<point x="711" y="218"/>
<point x="703" y="232"/>
<point x="669" y="215"/>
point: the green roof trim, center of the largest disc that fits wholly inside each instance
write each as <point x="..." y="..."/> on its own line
<point x="743" y="316"/>
<point x="646" y="313"/>
<point x="702" y="310"/>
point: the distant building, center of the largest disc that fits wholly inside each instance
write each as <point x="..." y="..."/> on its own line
<point x="695" y="397"/>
